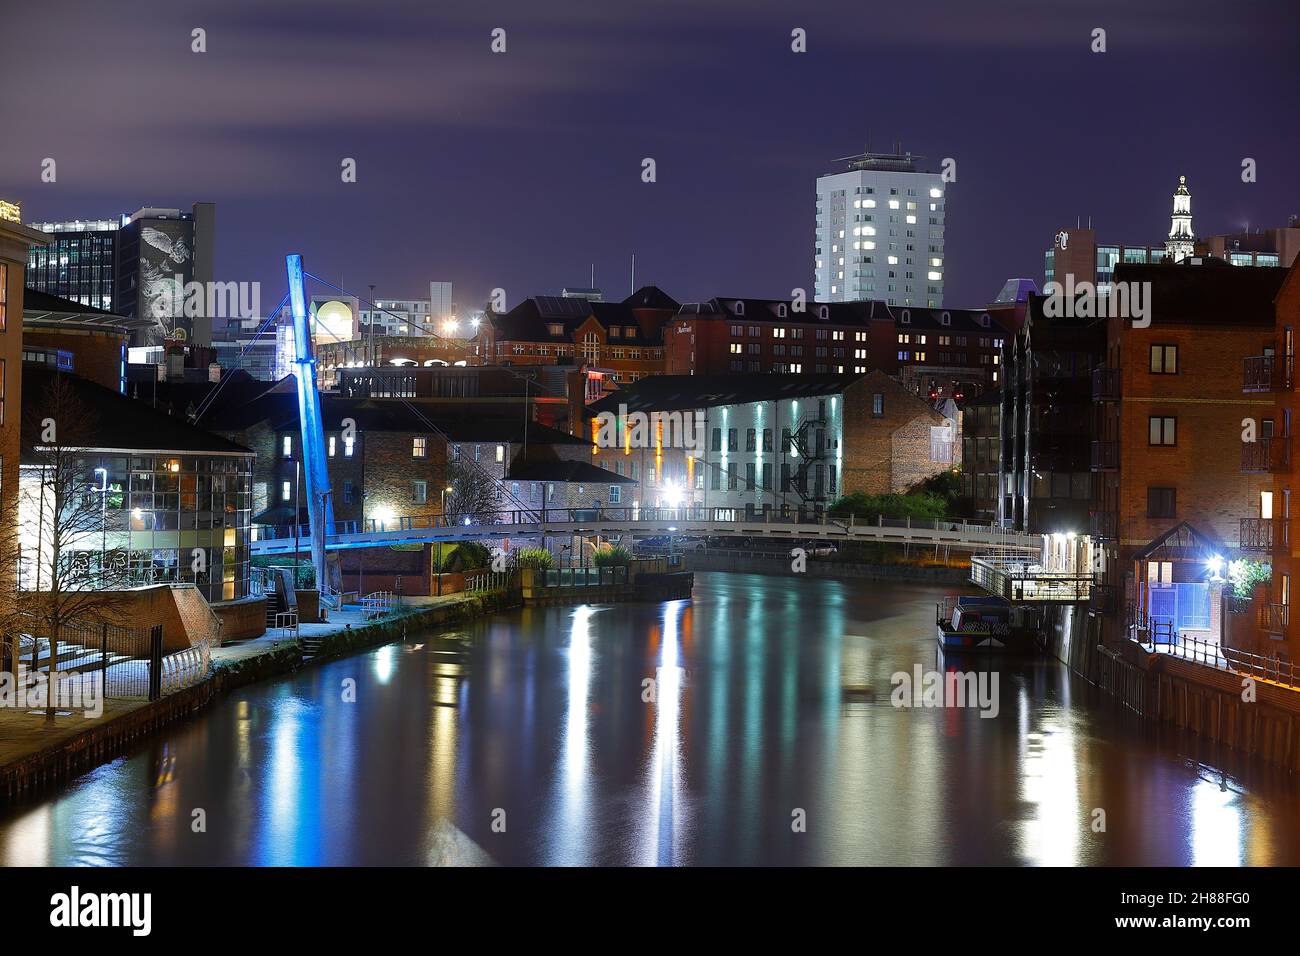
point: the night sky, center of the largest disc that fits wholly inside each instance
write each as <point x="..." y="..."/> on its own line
<point x="521" y="169"/>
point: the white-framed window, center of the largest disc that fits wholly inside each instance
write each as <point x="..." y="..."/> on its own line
<point x="286" y="446"/>
<point x="501" y="452"/>
<point x="419" y="447"/>
<point x="286" y="490"/>
<point x="420" y="491"/>
<point x="348" y="445"/>
<point x="332" y="442"/>
<point x="615" y="494"/>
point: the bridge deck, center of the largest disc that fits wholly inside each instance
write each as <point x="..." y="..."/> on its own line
<point x="647" y="522"/>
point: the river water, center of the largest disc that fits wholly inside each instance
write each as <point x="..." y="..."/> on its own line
<point x="771" y="738"/>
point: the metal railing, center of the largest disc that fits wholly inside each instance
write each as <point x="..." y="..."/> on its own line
<point x="632" y="514"/>
<point x="1103" y="524"/>
<point x="1274" y="617"/>
<point x="1212" y="654"/>
<point x="1271" y="453"/>
<point x="1023" y="581"/>
<point x="1256" y="534"/>
<point x="1267" y="373"/>
<point x="286" y="624"/>
<point x="1105" y="384"/>
<point x="485" y="580"/>
<point x="379" y="603"/>
<point x="1105" y="455"/>
<point x="114" y="662"/>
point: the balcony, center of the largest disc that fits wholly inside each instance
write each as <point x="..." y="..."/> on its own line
<point x="1025" y="582"/>
<point x="1105" y="455"/>
<point x="1257" y="533"/>
<point x="1268" y="373"/>
<point x="1274" y="617"/>
<point x="1105" y="384"/>
<point x="1266" y="454"/>
<point x="1103" y="525"/>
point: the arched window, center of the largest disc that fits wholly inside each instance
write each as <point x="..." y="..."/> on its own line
<point x="740" y="308"/>
<point x="824" y="312"/>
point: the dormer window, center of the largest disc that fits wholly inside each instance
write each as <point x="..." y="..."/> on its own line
<point x="555" y="328"/>
<point x="740" y="308"/>
<point x="907" y="317"/>
<point x="780" y="311"/>
<point x="984" y="320"/>
<point x="946" y="319"/>
<point x="824" y="312"/>
<point x="614" y="331"/>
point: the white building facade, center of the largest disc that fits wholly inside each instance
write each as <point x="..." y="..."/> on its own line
<point x="880" y="232"/>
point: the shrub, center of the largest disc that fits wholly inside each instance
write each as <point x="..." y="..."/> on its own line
<point x="611" y="556"/>
<point x="536" y="559"/>
<point x="924" y="505"/>
<point x="466" y="556"/>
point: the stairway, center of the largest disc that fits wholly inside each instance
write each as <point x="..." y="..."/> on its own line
<point x="310" y="646"/>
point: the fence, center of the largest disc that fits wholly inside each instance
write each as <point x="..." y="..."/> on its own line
<point x="111" y="661"/>
<point x="1213" y="654"/>
<point x="378" y="604"/>
<point x="480" y="582"/>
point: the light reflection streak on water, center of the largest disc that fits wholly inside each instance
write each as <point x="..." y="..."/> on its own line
<point x="568" y="837"/>
<point x="1050" y="781"/>
<point x="664" y="770"/>
<point x="1216" y="836"/>
<point x="290" y="813"/>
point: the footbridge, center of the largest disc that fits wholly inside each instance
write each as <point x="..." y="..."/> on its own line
<point x="620" y="523"/>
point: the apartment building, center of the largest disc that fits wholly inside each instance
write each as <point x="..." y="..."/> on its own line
<point x="1180" y="452"/>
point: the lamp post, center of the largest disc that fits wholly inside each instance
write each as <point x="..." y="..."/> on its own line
<point x="103" y="522"/>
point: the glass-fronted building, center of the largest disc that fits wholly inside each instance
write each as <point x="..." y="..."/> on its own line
<point x="175" y="501"/>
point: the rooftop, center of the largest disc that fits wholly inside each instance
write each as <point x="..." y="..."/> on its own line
<point x="670" y="392"/>
<point x="119" y="423"/>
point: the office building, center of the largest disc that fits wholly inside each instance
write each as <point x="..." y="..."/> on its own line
<point x="78" y="262"/>
<point x="159" y="253"/>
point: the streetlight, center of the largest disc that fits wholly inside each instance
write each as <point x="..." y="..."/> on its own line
<point x="103" y="521"/>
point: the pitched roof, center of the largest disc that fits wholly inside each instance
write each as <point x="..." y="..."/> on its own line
<point x="669" y="392"/>
<point x="1207" y="542"/>
<point x="120" y="423"/>
<point x="651" y="297"/>
<point x="1209" y="293"/>
<point x="572" y="471"/>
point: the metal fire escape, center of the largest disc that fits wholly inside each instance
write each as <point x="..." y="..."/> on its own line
<point x="807" y="445"/>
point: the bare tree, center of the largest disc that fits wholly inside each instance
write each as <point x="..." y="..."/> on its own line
<point x="474" y="493"/>
<point x="63" y="512"/>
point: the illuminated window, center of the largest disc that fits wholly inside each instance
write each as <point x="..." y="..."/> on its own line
<point x="348" y="444"/>
<point x="286" y="446"/>
<point x="419" y="447"/>
<point x="331" y="446"/>
<point x="285" y="490"/>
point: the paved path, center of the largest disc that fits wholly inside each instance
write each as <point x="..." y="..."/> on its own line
<point x="23" y="733"/>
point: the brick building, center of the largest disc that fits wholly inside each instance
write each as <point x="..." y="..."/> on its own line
<point x="1271" y="535"/>
<point x="72" y="337"/>
<point x="621" y="340"/>
<point x="936" y="352"/>
<point x="1174" y="476"/>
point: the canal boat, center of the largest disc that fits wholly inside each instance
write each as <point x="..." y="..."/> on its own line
<point x="974" y="623"/>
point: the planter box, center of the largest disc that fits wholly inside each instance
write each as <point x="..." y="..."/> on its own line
<point x="450" y="583"/>
<point x="308" y="605"/>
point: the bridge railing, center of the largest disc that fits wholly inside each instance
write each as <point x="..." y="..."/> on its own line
<point x="629" y="514"/>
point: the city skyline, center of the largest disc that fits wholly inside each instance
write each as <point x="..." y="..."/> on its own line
<point x="716" y="221"/>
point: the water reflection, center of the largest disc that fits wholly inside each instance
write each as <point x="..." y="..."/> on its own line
<point x="771" y="703"/>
